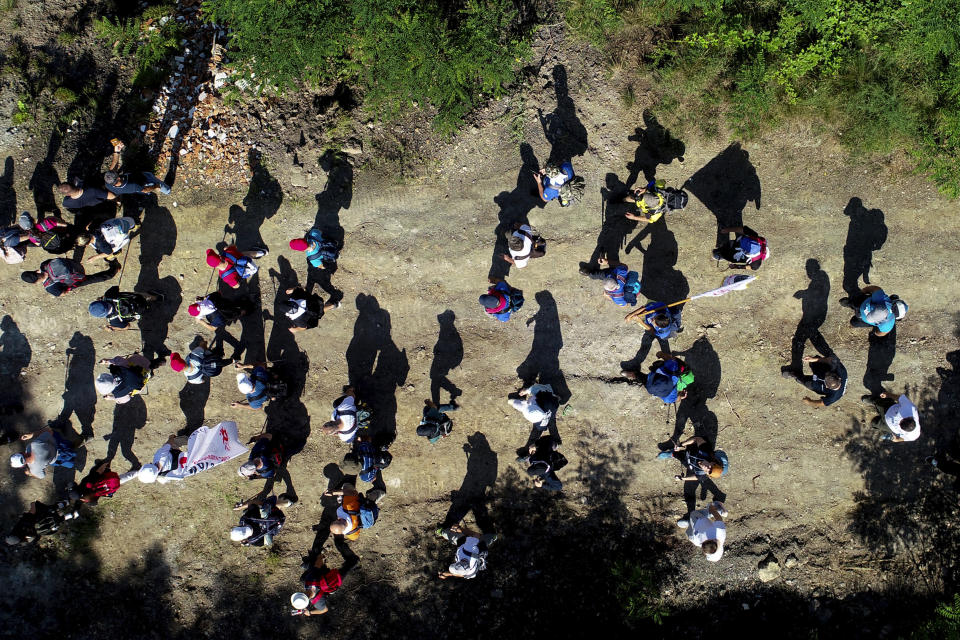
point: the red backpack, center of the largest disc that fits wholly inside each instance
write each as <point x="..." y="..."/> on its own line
<point x="328" y="583"/>
<point x="105" y="486"/>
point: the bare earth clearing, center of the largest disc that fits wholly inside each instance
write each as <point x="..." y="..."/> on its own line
<point x="867" y="522"/>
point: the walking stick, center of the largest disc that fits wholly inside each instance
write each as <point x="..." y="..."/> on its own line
<point x="125" y="256"/>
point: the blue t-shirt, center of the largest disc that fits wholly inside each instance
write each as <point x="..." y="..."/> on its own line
<point x="552" y="190"/>
<point x="879" y="300"/>
<point x="259" y="397"/>
<point x="674" y="315"/>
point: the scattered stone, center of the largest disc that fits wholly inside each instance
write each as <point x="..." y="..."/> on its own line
<point x="353" y="147"/>
<point x="768" y="569"/>
<point x="791" y="561"/>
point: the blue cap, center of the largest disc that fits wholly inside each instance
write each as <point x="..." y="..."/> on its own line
<point x="99" y="309"/>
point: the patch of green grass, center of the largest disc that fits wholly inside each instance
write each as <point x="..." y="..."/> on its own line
<point x="517" y="123"/>
<point x="64" y="95"/>
<point x="66" y="38"/>
<point x="7" y="5"/>
<point x="23" y="112"/>
<point x="628" y="96"/>
<point x="593" y="20"/>
<point x="636" y="590"/>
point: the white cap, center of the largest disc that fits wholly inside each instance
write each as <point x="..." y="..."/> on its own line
<point x="148" y="474"/>
<point x="299" y="600"/>
<point x="105" y="383"/>
<point x="247" y="469"/>
<point x="17" y="460"/>
<point x="239" y="534"/>
<point x="244" y="383"/>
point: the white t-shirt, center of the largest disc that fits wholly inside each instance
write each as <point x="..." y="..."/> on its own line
<point x="900" y="411"/>
<point x="702" y="528"/>
<point x="527" y="246"/>
<point x="466" y="565"/>
<point x="348" y="427"/>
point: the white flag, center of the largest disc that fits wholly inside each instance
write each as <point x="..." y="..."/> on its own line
<point x="730" y="283"/>
<point x="208" y="447"/>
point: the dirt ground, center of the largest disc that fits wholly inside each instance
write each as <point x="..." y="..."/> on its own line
<point x="860" y="529"/>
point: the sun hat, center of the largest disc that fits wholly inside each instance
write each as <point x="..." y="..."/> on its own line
<point x="17" y="460"/>
<point x="299" y="244"/>
<point x="300" y="600"/>
<point x="176" y="362"/>
<point x="148" y="473"/>
<point x="238" y="534"/>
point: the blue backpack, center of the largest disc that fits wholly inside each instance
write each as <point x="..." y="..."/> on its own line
<point x="326" y="249"/>
<point x="631" y="287"/>
<point x="750" y="246"/>
<point x="369" y="512"/>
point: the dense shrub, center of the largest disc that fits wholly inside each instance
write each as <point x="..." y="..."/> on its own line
<point x="398" y="52"/>
<point x="883" y="72"/>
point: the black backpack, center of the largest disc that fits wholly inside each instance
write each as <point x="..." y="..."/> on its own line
<point x="675" y="199"/>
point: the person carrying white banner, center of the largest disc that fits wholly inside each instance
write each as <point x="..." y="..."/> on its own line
<point x="206" y="448"/>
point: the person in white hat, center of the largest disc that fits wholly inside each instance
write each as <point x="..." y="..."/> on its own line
<point x="128" y="375"/>
<point x="43" y="448"/>
<point x="261" y="521"/>
<point x="168" y="458"/>
<point x="252" y="382"/>
<point x="319" y="581"/>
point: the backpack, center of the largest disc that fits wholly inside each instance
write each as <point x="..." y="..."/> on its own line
<point x="48" y="523"/>
<point x="571" y="191"/>
<point x="53" y="241"/>
<point x="675" y="199"/>
<point x="364" y="414"/>
<point x="722" y="458"/>
<point x="481" y="558"/>
<point x="538" y="245"/>
<point x="369" y="458"/>
<point x="515" y="300"/>
<point x="327" y="250"/>
<point x="65" y="271"/>
<point x="368" y="512"/>
<point x="125" y="307"/>
<point x="750" y="247"/>
<point x="434" y="430"/>
<point x="105" y="486"/>
<point x="631" y="287"/>
<point x="327" y="584"/>
<point x="268" y="526"/>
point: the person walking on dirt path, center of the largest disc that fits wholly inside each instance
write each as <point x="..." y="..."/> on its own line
<point x="200" y="364"/>
<point x="234" y="266"/>
<point x="501" y="300"/>
<point x="40" y="520"/>
<point x="705" y="528"/>
<point x="319" y="581"/>
<point x="303" y="310"/>
<point x="900" y="415"/>
<point x="654" y="200"/>
<point x="344" y="420"/>
<point x="538" y="404"/>
<point x="874" y="308"/>
<point x="119" y="183"/>
<point x="44" y="447"/>
<point x="266" y="458"/>
<point x="747" y="250"/>
<point x="121" y="308"/>
<point x="435" y="423"/>
<point x="126" y="377"/>
<point x="472" y="549"/>
<point x="170" y="457"/>
<point x="697" y="457"/>
<point x="108" y="238"/>
<point x="76" y="198"/>
<point x="659" y="320"/>
<point x="620" y="285"/>
<point x="543" y="461"/>
<point x="828" y="379"/>
<point x="321" y="253"/>
<point x="260" y="522"/>
<point x="668" y="378"/>
<point x="60" y="276"/>
<point x="551" y="179"/>
<point x="216" y="312"/>
<point x="353" y="509"/>
<point x="524" y="245"/>
<point x="254" y="382"/>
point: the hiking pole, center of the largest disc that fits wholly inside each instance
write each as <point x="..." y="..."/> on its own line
<point x="125" y="256"/>
<point x="674" y="405"/>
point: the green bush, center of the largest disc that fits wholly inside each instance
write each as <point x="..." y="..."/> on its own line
<point x="636" y="590"/>
<point x="398" y="52"/>
<point x="945" y="625"/>
<point x="883" y="72"/>
<point x="151" y="46"/>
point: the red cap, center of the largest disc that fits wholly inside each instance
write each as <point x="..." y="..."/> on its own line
<point x="213" y="258"/>
<point x="176" y="362"/>
<point x="194" y="309"/>
<point x="299" y="244"/>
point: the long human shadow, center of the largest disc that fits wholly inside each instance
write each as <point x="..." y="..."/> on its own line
<point x="157" y="239"/>
<point x="514" y="207"/>
<point x="542" y="364"/>
<point x="562" y="128"/>
<point x="263" y="199"/>
<point x="880" y="355"/>
<point x="376" y="367"/>
<point x="472" y="495"/>
<point x="287" y="416"/>
<point x="655" y="146"/>
<point x="614" y="226"/>
<point x="8" y="195"/>
<point x="660" y="279"/>
<point x="947" y="444"/>
<point x="193" y="399"/>
<point x="79" y="394"/>
<point x="336" y="478"/>
<point x="128" y="418"/>
<point x="814" y="300"/>
<point x="336" y="196"/>
<point x="725" y="185"/>
<point x="447" y="356"/>
<point x="705" y="365"/>
<point x="15" y="356"/>
<point x="866" y="233"/>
